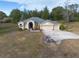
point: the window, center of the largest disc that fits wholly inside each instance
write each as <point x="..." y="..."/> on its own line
<point x="20" y="25"/>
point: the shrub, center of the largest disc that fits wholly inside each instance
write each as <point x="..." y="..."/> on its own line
<point x="62" y="27"/>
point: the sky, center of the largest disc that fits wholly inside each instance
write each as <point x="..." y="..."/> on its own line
<point x="7" y="5"/>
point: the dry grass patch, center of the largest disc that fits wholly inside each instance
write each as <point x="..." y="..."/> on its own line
<point x="20" y="44"/>
<point x="73" y="27"/>
<point x="15" y="43"/>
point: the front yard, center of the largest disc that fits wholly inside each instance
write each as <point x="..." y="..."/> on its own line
<point x="16" y="43"/>
<point x="7" y="28"/>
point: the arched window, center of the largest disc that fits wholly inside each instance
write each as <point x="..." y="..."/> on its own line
<point x="20" y="25"/>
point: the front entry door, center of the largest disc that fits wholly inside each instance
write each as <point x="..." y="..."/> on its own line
<point x="30" y="25"/>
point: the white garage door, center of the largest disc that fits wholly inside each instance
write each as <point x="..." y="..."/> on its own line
<point x="50" y="27"/>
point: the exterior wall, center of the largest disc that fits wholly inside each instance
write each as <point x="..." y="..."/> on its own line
<point x="56" y="27"/>
<point x="47" y="25"/>
<point x="27" y="24"/>
<point x="50" y="26"/>
<point x="21" y="25"/>
<point x="37" y="26"/>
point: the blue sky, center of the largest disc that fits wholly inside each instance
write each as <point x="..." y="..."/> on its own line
<point x="8" y="5"/>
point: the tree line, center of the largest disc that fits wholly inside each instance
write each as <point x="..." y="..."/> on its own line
<point x="59" y="13"/>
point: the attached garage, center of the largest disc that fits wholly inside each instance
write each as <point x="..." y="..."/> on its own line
<point x="49" y="25"/>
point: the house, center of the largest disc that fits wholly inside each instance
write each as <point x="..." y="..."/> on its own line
<point x="37" y="23"/>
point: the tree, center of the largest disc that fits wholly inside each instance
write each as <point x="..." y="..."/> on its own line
<point x="45" y="13"/>
<point x="15" y="15"/>
<point x="40" y="14"/>
<point x="73" y="8"/>
<point x="57" y="13"/>
<point x="24" y="14"/>
<point x="30" y="14"/>
<point x="35" y="13"/>
<point x="2" y="15"/>
<point x="77" y="17"/>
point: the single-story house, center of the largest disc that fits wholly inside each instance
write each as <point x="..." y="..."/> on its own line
<point x="37" y="23"/>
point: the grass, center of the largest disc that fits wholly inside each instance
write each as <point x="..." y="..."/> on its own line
<point x="15" y="43"/>
<point x="73" y="27"/>
<point x="7" y="27"/>
<point x="20" y="44"/>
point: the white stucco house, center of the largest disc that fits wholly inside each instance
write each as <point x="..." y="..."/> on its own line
<point x="37" y="23"/>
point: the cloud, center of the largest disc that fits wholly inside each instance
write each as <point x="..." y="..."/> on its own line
<point x="6" y="11"/>
<point x="40" y="4"/>
<point x="35" y="4"/>
<point x="16" y="1"/>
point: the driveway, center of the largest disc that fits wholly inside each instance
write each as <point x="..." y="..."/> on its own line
<point x="59" y="35"/>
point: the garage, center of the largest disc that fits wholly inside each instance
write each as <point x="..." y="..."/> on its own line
<point x="47" y="25"/>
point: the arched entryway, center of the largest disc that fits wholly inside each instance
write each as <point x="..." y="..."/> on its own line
<point x="30" y="25"/>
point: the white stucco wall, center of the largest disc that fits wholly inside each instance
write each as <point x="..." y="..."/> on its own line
<point x="27" y="24"/>
<point x="50" y="26"/>
<point x="21" y="25"/>
<point x="57" y="27"/>
<point x="47" y="25"/>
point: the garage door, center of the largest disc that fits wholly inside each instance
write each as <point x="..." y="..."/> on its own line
<point x="47" y="27"/>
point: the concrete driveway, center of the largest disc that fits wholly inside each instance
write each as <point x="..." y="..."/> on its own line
<point x="59" y="35"/>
